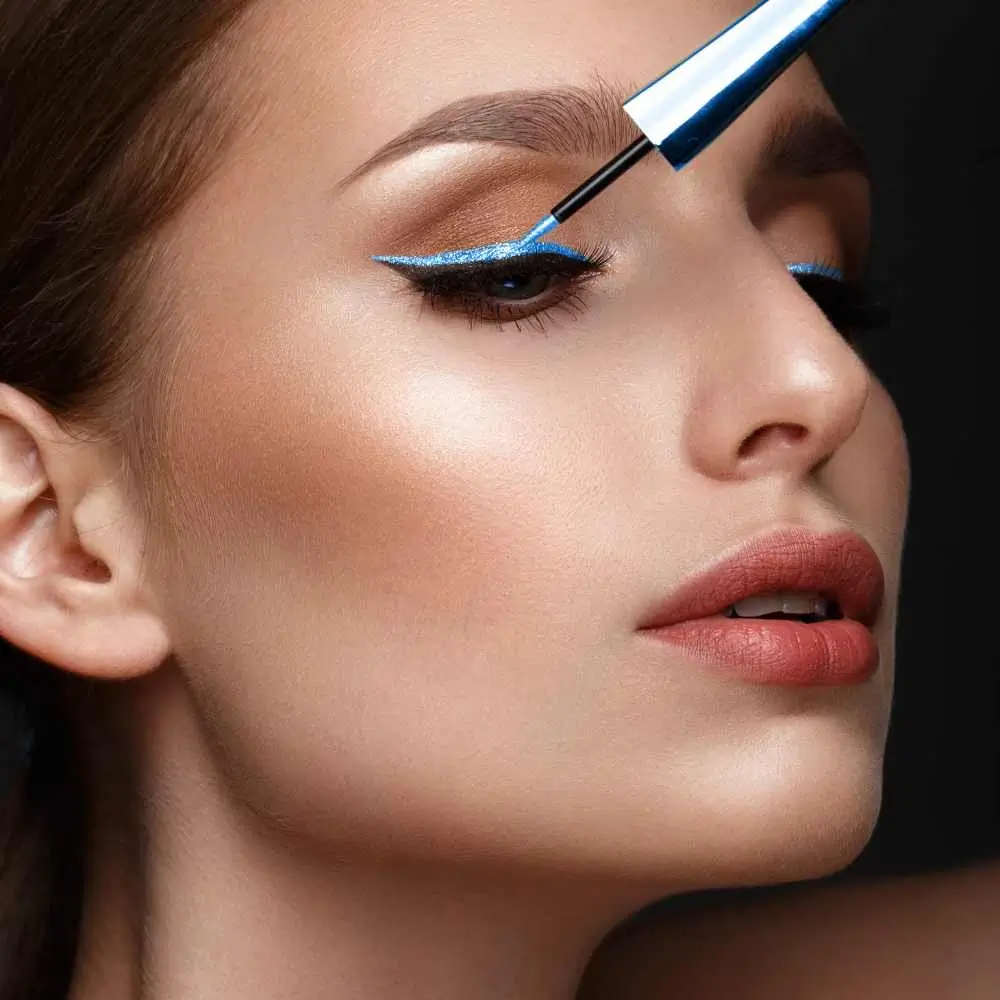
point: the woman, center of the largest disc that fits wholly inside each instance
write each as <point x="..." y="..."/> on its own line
<point x="348" y="586"/>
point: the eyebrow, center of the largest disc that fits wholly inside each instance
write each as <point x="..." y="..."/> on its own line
<point x="812" y="143"/>
<point x="590" y="121"/>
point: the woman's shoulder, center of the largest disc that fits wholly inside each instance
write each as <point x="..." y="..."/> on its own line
<point x="920" y="937"/>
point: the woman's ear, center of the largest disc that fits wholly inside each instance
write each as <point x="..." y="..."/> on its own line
<point x="71" y="547"/>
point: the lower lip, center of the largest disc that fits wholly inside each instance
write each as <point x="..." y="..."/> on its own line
<point x="775" y="651"/>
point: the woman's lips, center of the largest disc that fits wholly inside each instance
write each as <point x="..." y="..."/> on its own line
<point x="780" y="652"/>
<point x="842" y="567"/>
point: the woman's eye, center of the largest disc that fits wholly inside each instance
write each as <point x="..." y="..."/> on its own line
<point x="518" y="287"/>
<point x="513" y="291"/>
<point x="849" y="305"/>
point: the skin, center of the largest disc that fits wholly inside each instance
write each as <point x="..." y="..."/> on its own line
<point x="922" y="937"/>
<point x="386" y="718"/>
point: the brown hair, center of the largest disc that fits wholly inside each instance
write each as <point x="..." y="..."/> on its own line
<point x="110" y="115"/>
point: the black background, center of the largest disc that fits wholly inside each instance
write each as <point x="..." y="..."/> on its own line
<point x="916" y="82"/>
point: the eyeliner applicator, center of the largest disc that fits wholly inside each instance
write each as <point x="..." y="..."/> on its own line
<point x="691" y="105"/>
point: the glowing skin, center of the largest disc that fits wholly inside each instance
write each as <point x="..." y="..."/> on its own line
<point x="378" y="675"/>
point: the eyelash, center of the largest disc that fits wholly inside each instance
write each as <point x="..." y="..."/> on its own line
<point x="460" y="289"/>
<point x="850" y="306"/>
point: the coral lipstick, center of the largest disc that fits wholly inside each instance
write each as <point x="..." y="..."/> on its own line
<point x="842" y="569"/>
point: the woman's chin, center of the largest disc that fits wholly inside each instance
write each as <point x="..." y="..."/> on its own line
<point x="779" y="816"/>
<point x="813" y="838"/>
<point x="809" y="827"/>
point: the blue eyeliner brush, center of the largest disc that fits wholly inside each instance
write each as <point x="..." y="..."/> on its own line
<point x="691" y="105"/>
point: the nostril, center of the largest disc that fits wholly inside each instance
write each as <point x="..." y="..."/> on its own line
<point x="774" y="434"/>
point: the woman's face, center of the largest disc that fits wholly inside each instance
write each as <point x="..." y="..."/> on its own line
<point x="405" y="573"/>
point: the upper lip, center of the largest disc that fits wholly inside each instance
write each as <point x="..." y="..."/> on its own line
<point x="842" y="567"/>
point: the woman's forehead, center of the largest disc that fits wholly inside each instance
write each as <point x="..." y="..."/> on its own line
<point x="369" y="73"/>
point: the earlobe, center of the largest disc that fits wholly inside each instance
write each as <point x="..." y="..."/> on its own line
<point x="71" y="587"/>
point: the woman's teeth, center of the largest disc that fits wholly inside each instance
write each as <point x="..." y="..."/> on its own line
<point x="796" y="605"/>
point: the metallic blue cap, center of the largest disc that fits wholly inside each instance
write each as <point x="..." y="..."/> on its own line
<point x="691" y="105"/>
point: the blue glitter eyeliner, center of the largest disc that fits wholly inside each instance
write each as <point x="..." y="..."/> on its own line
<point x="489" y="254"/>
<point x="820" y="270"/>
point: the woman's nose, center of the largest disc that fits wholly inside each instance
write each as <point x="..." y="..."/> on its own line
<point x="780" y="389"/>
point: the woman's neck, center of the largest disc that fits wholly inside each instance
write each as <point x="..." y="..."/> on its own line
<point x="215" y="903"/>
